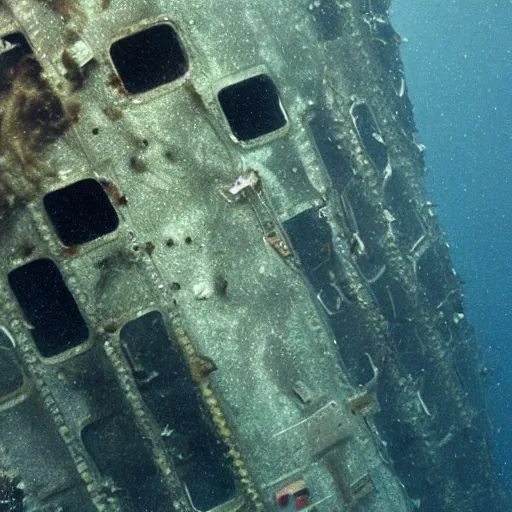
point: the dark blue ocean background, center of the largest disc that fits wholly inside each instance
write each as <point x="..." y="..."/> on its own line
<point x="458" y="64"/>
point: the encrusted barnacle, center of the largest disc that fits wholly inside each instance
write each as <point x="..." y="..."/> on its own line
<point x="201" y="367"/>
<point x="32" y="116"/>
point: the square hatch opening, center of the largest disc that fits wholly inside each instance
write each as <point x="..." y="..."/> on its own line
<point x="252" y="107"/>
<point x="81" y="212"/>
<point x="48" y="305"/>
<point x="149" y="58"/>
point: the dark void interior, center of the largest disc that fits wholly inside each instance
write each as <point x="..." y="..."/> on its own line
<point x="252" y="107"/>
<point x="164" y="382"/>
<point x="122" y="455"/>
<point x="81" y="212"/>
<point x="334" y="157"/>
<point x="149" y="58"/>
<point x="369" y="133"/>
<point x="57" y="324"/>
<point x="11" y="496"/>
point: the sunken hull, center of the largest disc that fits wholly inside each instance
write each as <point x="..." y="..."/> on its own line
<point x="223" y="286"/>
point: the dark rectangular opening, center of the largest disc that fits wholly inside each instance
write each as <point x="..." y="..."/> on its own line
<point x="149" y="58"/>
<point x="370" y="136"/>
<point x="13" y="47"/>
<point x="122" y="454"/>
<point x="57" y="324"/>
<point x="252" y="107"/>
<point x="165" y="384"/>
<point x="315" y="253"/>
<point x="81" y="212"/>
<point x="334" y="157"/>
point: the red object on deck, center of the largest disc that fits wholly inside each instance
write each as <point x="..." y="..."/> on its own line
<point x="301" y="501"/>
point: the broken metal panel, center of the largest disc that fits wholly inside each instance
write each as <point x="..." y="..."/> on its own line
<point x="286" y="263"/>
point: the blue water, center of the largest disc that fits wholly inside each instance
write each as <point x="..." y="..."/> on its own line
<point x="458" y="63"/>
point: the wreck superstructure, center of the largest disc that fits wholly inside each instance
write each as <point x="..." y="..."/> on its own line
<point x="223" y="287"/>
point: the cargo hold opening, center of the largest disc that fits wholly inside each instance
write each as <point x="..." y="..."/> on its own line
<point x="56" y="322"/>
<point x="252" y="107"/>
<point x="164" y="382"/>
<point x="149" y="58"/>
<point x="81" y="212"/>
